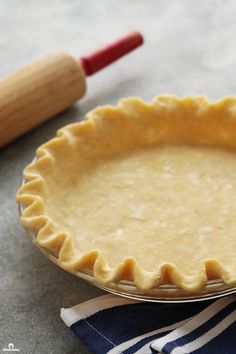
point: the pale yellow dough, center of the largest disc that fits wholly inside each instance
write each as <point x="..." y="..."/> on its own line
<point x="165" y="204"/>
<point x="140" y="192"/>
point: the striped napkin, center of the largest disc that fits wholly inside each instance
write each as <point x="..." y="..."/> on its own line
<point x="114" y="325"/>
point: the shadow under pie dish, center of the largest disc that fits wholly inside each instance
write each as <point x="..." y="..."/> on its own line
<point x="140" y="192"/>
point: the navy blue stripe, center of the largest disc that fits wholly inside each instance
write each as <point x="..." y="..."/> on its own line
<point x="122" y="323"/>
<point x="142" y="342"/>
<point x="224" y="343"/>
<point x="200" y="330"/>
<point x="97" y="343"/>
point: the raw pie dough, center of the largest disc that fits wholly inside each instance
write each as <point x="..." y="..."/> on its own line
<point x="140" y="192"/>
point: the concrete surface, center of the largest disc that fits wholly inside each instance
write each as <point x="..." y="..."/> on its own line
<point x="190" y="49"/>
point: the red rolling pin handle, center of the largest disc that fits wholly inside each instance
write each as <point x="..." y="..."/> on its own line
<point x="50" y="84"/>
<point x="97" y="60"/>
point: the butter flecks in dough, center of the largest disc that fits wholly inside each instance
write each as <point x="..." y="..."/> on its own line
<point x="140" y="192"/>
<point x="158" y="205"/>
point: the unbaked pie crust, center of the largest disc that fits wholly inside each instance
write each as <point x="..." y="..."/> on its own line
<point x="141" y="192"/>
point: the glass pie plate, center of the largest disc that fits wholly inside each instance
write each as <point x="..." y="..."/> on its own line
<point x="165" y="293"/>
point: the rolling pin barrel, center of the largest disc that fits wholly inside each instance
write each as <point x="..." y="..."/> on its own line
<point x="37" y="92"/>
<point x="51" y="84"/>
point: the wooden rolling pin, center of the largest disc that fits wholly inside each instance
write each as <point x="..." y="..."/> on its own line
<point x="51" y="84"/>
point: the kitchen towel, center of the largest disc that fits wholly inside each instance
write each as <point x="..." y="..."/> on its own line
<point x="115" y="325"/>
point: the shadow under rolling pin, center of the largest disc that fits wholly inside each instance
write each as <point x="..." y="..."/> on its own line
<point x="51" y="84"/>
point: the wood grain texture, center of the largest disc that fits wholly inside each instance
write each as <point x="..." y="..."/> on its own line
<point x="38" y="92"/>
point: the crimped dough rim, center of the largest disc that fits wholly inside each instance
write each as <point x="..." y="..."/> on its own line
<point x="201" y="118"/>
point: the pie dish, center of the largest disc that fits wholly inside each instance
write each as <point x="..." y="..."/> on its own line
<point x="140" y="192"/>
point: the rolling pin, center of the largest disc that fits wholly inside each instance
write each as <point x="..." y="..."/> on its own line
<point x="51" y="84"/>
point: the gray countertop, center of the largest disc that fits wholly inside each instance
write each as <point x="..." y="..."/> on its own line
<point x="190" y="49"/>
